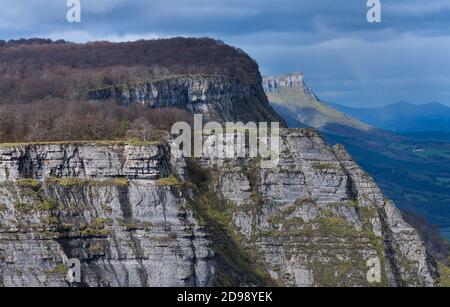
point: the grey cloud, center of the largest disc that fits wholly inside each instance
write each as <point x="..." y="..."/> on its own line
<point x="345" y="58"/>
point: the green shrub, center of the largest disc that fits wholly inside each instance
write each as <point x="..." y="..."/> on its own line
<point x="168" y="181"/>
<point x="60" y="269"/>
<point x="29" y="183"/>
<point x="444" y="276"/>
<point x="3" y="208"/>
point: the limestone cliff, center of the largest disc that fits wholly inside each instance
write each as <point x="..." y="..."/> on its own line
<point x="218" y="98"/>
<point x="101" y="204"/>
<point x="134" y="216"/>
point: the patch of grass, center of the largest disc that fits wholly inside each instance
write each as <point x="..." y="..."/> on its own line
<point x="339" y="273"/>
<point x="81" y="182"/>
<point x="444" y="276"/>
<point x="60" y="269"/>
<point x="367" y="214"/>
<point x="29" y="183"/>
<point x="48" y="205"/>
<point x="136" y="142"/>
<point x="289" y="210"/>
<point x="68" y="182"/>
<point x="324" y="166"/>
<point x="107" y="208"/>
<point x="3" y="208"/>
<point x="116" y="182"/>
<point x="99" y="223"/>
<point x="23" y="207"/>
<point x="168" y="181"/>
<point x="51" y="221"/>
<point x="96" y="228"/>
<point x="336" y="226"/>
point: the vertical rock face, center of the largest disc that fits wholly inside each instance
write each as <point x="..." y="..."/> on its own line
<point x="135" y="217"/>
<point x="295" y="80"/>
<point x="318" y="219"/>
<point x="291" y="97"/>
<point x="104" y="206"/>
<point x="217" y="98"/>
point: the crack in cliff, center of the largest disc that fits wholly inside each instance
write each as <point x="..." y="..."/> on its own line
<point x="126" y="208"/>
<point x="139" y="255"/>
<point x="194" y="262"/>
<point x="66" y="163"/>
<point x="26" y="165"/>
<point x="235" y="265"/>
<point x="124" y="201"/>
<point x="389" y="249"/>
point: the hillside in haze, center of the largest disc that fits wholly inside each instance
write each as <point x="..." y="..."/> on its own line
<point x="299" y="106"/>
<point x="403" y="116"/>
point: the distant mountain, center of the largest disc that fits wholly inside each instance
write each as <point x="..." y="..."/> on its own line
<point x="403" y="116"/>
<point x="412" y="168"/>
<point x="299" y="106"/>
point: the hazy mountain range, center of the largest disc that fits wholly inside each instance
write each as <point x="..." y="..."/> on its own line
<point x="403" y="116"/>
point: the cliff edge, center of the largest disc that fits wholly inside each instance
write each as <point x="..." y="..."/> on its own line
<point x="134" y="216"/>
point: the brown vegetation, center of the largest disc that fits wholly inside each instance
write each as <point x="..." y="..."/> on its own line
<point x="62" y="120"/>
<point x="44" y="85"/>
<point x="37" y="69"/>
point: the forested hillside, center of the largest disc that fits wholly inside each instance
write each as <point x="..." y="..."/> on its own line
<point x="44" y="84"/>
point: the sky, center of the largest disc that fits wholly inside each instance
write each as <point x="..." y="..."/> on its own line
<point x="345" y="59"/>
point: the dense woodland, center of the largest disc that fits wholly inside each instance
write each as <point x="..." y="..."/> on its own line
<point x="37" y="69"/>
<point x="62" y="120"/>
<point x="44" y="84"/>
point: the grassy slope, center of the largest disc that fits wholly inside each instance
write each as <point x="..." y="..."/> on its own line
<point x="310" y="111"/>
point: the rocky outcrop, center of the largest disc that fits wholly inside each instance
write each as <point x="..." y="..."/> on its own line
<point x="318" y="219"/>
<point x="105" y="205"/>
<point x="134" y="216"/>
<point x="291" y="97"/>
<point x="403" y="246"/>
<point x="296" y="80"/>
<point x="217" y="98"/>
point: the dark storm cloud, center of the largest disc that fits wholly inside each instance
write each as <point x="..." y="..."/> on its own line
<point x="346" y="59"/>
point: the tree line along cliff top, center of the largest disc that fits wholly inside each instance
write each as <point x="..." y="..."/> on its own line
<point x="44" y="84"/>
<point x="36" y="68"/>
